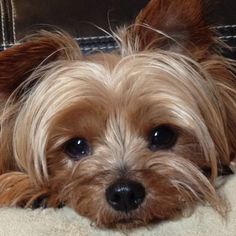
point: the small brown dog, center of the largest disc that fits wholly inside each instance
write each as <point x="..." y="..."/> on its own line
<point x="125" y="138"/>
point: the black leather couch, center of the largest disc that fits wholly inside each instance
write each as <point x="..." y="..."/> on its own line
<point x="81" y="18"/>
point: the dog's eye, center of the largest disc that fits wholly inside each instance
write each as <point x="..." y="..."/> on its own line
<point x="162" y="137"/>
<point x="76" y="148"/>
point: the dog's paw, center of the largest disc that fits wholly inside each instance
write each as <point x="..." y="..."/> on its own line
<point x="43" y="202"/>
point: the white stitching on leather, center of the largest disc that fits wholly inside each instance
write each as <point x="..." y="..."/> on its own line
<point x="110" y="37"/>
<point x="228" y="37"/>
<point x="100" y="48"/>
<point x="13" y="21"/>
<point x="98" y="37"/>
<point x="225" y="26"/>
<point x="3" y="26"/>
<point x="94" y="37"/>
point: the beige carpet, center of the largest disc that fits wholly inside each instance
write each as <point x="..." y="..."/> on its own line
<point x="65" y="222"/>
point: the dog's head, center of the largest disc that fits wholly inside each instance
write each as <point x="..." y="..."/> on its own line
<point x="124" y="138"/>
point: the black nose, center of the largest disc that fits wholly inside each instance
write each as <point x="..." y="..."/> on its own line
<point x="125" y="195"/>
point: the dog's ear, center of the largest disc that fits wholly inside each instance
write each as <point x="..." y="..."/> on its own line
<point x="18" y="62"/>
<point x="175" y="25"/>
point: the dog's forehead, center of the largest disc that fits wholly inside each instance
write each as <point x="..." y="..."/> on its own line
<point x="108" y="60"/>
<point x="145" y="76"/>
<point x="142" y="87"/>
<point x="131" y="71"/>
<point x="133" y="82"/>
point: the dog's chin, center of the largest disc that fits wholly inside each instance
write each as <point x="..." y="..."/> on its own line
<point x="135" y="219"/>
<point x="128" y="223"/>
<point x="125" y="223"/>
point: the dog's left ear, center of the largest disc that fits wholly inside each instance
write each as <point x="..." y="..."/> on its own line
<point x="20" y="61"/>
<point x="174" y="25"/>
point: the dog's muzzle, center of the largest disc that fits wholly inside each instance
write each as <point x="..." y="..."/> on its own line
<point x="125" y="195"/>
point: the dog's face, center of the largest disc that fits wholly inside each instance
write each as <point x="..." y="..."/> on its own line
<point x="126" y="143"/>
<point x="124" y="139"/>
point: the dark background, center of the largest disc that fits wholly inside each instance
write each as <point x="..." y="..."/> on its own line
<point x="79" y="17"/>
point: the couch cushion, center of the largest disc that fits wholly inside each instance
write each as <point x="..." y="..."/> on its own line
<point x="82" y="19"/>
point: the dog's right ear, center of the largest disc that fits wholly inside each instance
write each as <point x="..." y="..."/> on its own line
<point x="19" y="61"/>
<point x="172" y="25"/>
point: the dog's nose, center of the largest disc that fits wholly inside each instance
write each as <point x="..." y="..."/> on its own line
<point x="125" y="195"/>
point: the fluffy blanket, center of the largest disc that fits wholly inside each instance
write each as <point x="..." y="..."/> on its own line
<point x="65" y="222"/>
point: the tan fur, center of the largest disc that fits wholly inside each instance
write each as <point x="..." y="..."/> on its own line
<point x="52" y="93"/>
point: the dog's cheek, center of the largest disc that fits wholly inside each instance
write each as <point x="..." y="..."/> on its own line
<point x="163" y="199"/>
<point x="172" y="185"/>
<point x="86" y="195"/>
<point x="88" y="201"/>
<point x="78" y="183"/>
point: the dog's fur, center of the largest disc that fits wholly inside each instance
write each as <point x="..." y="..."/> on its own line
<point x="168" y="71"/>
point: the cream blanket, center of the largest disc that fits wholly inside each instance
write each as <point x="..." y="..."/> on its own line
<point x="65" y="222"/>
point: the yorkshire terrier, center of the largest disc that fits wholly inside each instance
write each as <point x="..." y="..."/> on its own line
<point x="127" y="138"/>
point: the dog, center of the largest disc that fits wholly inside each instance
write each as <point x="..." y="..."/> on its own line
<point x="136" y="136"/>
